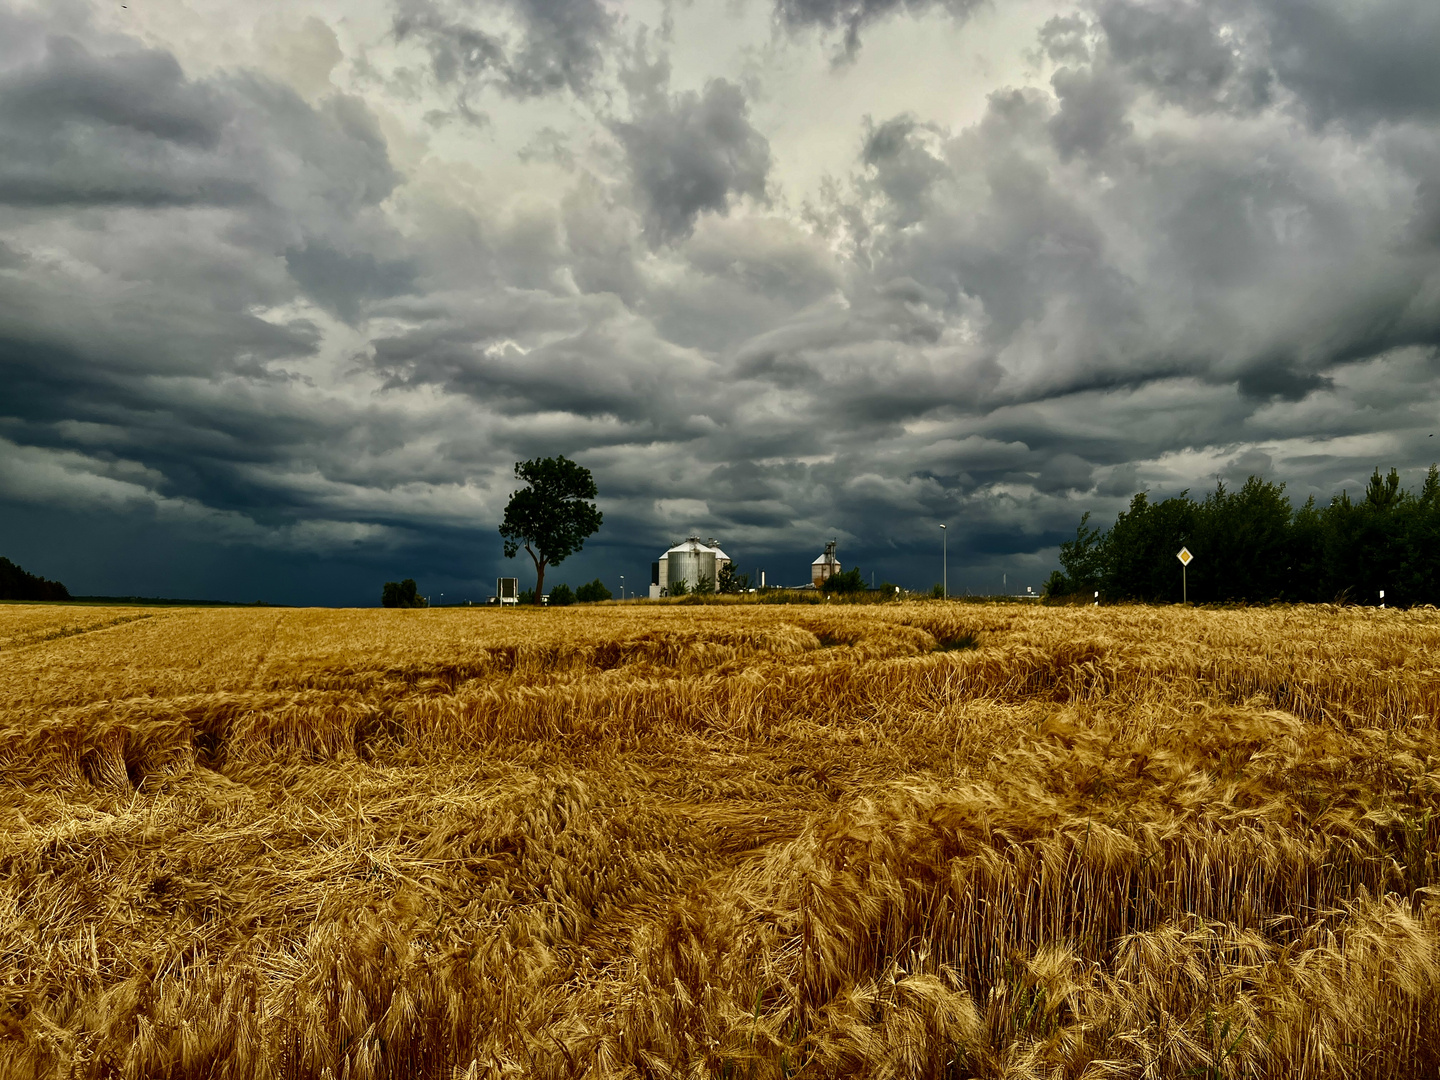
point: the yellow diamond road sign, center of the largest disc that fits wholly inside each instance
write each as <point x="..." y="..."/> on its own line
<point x="1184" y="556"/>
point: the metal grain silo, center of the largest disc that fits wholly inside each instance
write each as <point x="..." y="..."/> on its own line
<point x="688" y="562"/>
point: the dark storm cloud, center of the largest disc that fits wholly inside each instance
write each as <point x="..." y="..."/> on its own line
<point x="129" y="129"/>
<point x="85" y="130"/>
<point x="1356" y="64"/>
<point x="850" y="16"/>
<point x="1064" y="39"/>
<point x="560" y="45"/>
<point x="144" y="91"/>
<point x="689" y="153"/>
<point x="138" y="342"/>
<point x="1003" y="260"/>
<point x="1089" y="302"/>
<point x="537" y="354"/>
<point x="1188" y="54"/>
<point x="1203" y="242"/>
<point x="1040" y="247"/>
<point x="902" y="166"/>
<point x="339" y="281"/>
<point x="1272" y="378"/>
<point x="1092" y="114"/>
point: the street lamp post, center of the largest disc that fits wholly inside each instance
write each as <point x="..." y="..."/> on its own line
<point x="944" y="563"/>
<point x="622" y="586"/>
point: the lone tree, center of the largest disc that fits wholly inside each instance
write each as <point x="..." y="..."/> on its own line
<point x="550" y="517"/>
<point x="400" y="594"/>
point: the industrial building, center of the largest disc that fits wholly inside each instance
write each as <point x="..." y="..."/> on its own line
<point x="825" y="567"/>
<point x="688" y="561"/>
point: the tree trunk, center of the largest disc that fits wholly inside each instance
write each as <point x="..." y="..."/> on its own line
<point x="539" y="581"/>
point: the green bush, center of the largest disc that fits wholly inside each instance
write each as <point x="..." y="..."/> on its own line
<point x="562" y="596"/>
<point x="678" y="587"/>
<point x="592" y="593"/>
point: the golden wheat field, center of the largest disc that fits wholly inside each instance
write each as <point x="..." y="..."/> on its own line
<point x="910" y="840"/>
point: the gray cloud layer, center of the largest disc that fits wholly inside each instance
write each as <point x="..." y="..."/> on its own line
<point x="689" y="153"/>
<point x="851" y="16"/>
<point x="557" y="44"/>
<point x="1202" y="240"/>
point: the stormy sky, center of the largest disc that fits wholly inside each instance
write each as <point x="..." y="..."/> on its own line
<point x="286" y="289"/>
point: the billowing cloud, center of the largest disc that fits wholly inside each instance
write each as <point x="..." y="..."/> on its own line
<point x="1356" y="63"/>
<point x="1189" y="54"/>
<point x="689" y="152"/>
<point x="268" y="302"/>
<point x="545" y="45"/>
<point x="127" y="128"/>
<point x="850" y="16"/>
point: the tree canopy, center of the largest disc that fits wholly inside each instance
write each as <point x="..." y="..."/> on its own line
<point x="731" y="582"/>
<point x="1253" y="544"/>
<point x="846" y="583"/>
<point x="401" y="594"/>
<point x="593" y="592"/>
<point x="550" y="518"/>
<point x="17" y="584"/>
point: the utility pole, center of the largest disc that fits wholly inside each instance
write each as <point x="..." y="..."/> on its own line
<point x="944" y="564"/>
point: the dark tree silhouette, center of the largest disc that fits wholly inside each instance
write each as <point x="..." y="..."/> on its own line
<point x="847" y="583"/>
<point x="550" y="518"/>
<point x="593" y="592"/>
<point x="16" y="584"/>
<point x="400" y="594"/>
<point x="1252" y="544"/>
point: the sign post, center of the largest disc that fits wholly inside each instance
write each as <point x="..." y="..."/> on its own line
<point x="944" y="563"/>
<point x="1184" y="556"/>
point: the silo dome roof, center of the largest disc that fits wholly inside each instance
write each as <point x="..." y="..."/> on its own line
<point x="694" y="545"/>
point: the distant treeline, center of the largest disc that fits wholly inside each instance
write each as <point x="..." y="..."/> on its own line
<point x="1252" y="545"/>
<point x="16" y="584"/>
